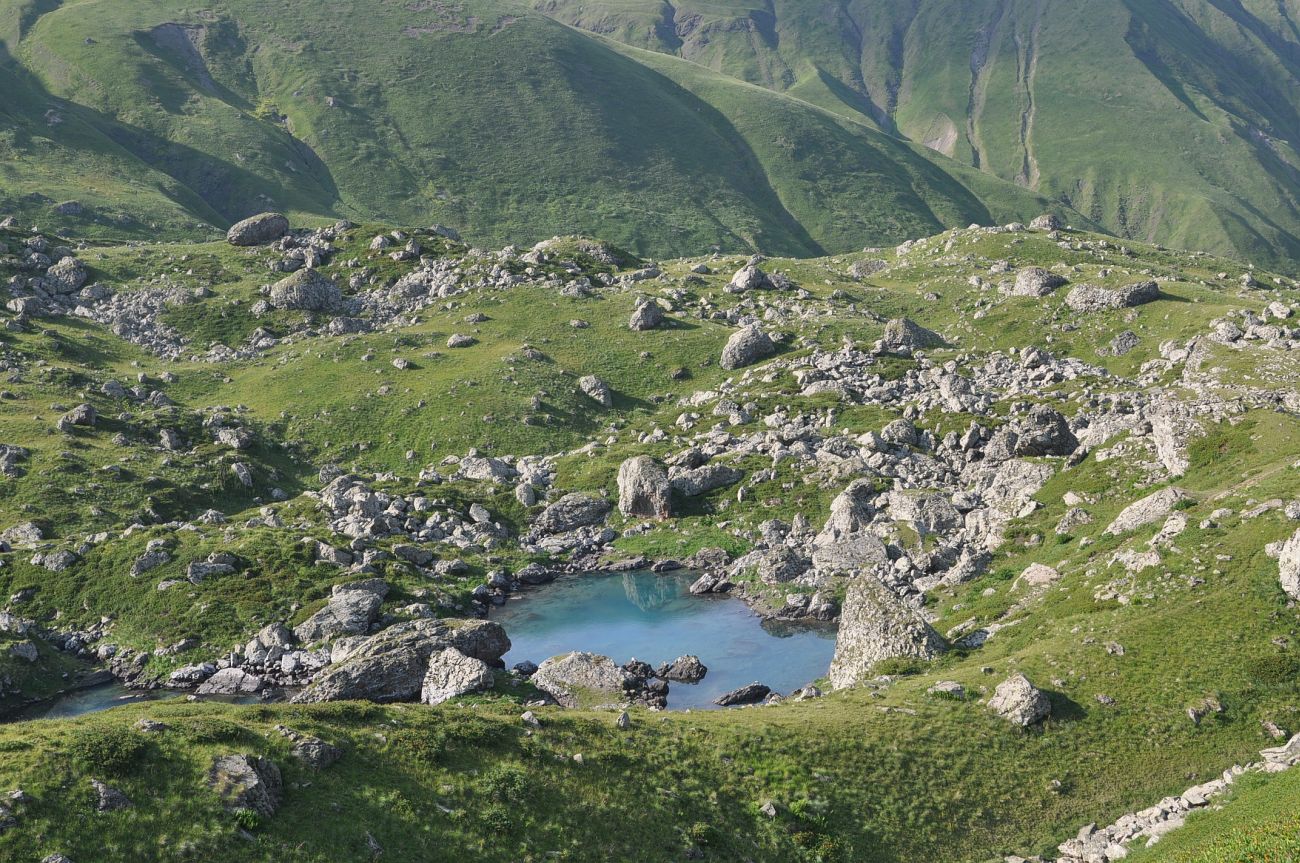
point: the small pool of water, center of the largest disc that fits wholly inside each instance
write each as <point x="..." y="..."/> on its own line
<point x="92" y="699"/>
<point x="655" y="618"/>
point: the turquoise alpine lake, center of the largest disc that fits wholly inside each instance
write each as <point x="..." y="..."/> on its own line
<point x="654" y="618"/>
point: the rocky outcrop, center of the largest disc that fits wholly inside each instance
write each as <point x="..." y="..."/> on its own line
<point x="1148" y="510"/>
<point x="1091" y="298"/>
<point x="1036" y="282"/>
<point x="746" y="347"/>
<point x="351" y="610"/>
<point x="692" y="482"/>
<point x="1019" y="702"/>
<point x="875" y="626"/>
<point x="903" y="336"/>
<point x="593" y="681"/>
<point x="572" y="512"/>
<point x="306" y="290"/>
<point x="392" y="664"/>
<point x="451" y="673"/>
<point x="247" y="782"/>
<point x="643" y="489"/>
<point x="1288" y="566"/>
<point x="258" y="230"/>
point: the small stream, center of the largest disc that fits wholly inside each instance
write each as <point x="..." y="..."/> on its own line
<point x="654" y="618"/>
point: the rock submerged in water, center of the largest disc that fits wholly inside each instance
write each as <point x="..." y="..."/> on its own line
<point x="875" y="626"/>
<point x="683" y="669"/>
<point x="257" y="230"/>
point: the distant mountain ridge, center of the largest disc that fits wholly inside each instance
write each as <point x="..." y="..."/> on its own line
<point x="794" y="128"/>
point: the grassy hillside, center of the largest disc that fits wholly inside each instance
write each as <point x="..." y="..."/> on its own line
<point x="485" y="116"/>
<point x="1171" y="122"/>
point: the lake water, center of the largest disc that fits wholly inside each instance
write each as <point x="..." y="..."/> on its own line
<point x="89" y="700"/>
<point x="655" y="618"/>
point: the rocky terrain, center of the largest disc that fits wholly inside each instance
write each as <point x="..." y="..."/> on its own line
<point x="1039" y="480"/>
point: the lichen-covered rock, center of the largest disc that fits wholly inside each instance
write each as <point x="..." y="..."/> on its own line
<point x="1288" y="565"/>
<point x="1091" y="298"/>
<point x="1019" y="702"/>
<point x="306" y="290"/>
<point x="247" y="782"/>
<point x="1148" y="510"/>
<point x="572" y="512"/>
<point x="1036" y="282"/>
<point x="643" y="489"/>
<point x="903" y="336"/>
<point x="66" y="276"/>
<point x="451" y="673"/>
<point x="692" y="482"/>
<point x="746" y="347"/>
<point x="597" y="390"/>
<point x="875" y="626"/>
<point x="257" y="230"/>
<point x="350" y="611"/>
<point x="584" y="680"/>
<point x="646" y="316"/>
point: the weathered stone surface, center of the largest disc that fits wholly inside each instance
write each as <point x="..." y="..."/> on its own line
<point x="316" y="753"/>
<point x="584" y="680"/>
<point x="904" y="336"/>
<point x="1036" y="575"/>
<point x="1019" y="702"/>
<point x="747" y="278"/>
<point x="1091" y="298"/>
<point x="350" y="611"/>
<point x="1148" y="510"/>
<point x="247" y="782"/>
<point x="646" y="316"/>
<point x="451" y="673"/>
<point x="256" y="230"/>
<point x="1046" y="222"/>
<point x="692" y="482"/>
<point x="1288" y="565"/>
<point x="643" y="489"/>
<point x="572" y="512"/>
<point x="683" y="669"/>
<point x="750" y="693"/>
<point x="746" y="347"/>
<point x="108" y="798"/>
<point x="231" y="681"/>
<point x="597" y="390"/>
<point x="1036" y="282"/>
<point x="392" y="664"/>
<point x="66" y="276"/>
<point x="875" y="626"/>
<point x="306" y="290"/>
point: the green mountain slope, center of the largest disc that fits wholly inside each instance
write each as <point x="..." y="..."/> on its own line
<point x="1166" y="121"/>
<point x="486" y="116"/>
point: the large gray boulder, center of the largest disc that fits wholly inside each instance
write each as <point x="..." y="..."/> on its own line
<point x="572" y="512"/>
<point x="1091" y="298"/>
<point x="247" y="782"/>
<point x="875" y="626"/>
<point x="643" y="489"/>
<point x="1036" y="282"/>
<point x="351" y="610"/>
<point x="231" y="681"/>
<point x="451" y="673"/>
<point x="902" y="336"/>
<point x="747" y="278"/>
<point x="1019" y="702"/>
<point x="1044" y="431"/>
<point x="746" y="347"/>
<point x="586" y="680"/>
<point x="597" y="390"/>
<point x="66" y="276"/>
<point x="259" y="229"/>
<point x="1288" y="566"/>
<point x="646" y="316"/>
<point x="392" y="664"/>
<point x="1148" y="510"/>
<point x="692" y="482"/>
<point x="306" y="290"/>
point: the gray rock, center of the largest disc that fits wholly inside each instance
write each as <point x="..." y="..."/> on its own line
<point x="692" y="482"/>
<point x="350" y="611"/>
<point x="1044" y="432"/>
<point x="460" y="340"/>
<point x="259" y="229"/>
<point x="643" y="489"/>
<point x="231" y="681"/>
<point x="247" y="782"/>
<point x="1018" y="701"/>
<point x="1036" y="282"/>
<point x="451" y="673"/>
<point x="683" y="669"/>
<point x="1046" y="222"/>
<point x="746" y="347"/>
<point x="392" y="664"/>
<point x="1091" y="298"/>
<point x="108" y="798"/>
<point x="597" y="390"/>
<point x="306" y="290"/>
<point x="584" y="680"/>
<point x="747" y="278"/>
<point x="82" y="415"/>
<point x="1288" y="565"/>
<point x="572" y="512"/>
<point x="66" y="276"/>
<point x="316" y="753"/>
<point x="750" y="693"/>
<point x="1148" y="510"/>
<point x="23" y="535"/>
<point x="904" y="336"/>
<point x="875" y="626"/>
<point x="646" y="316"/>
